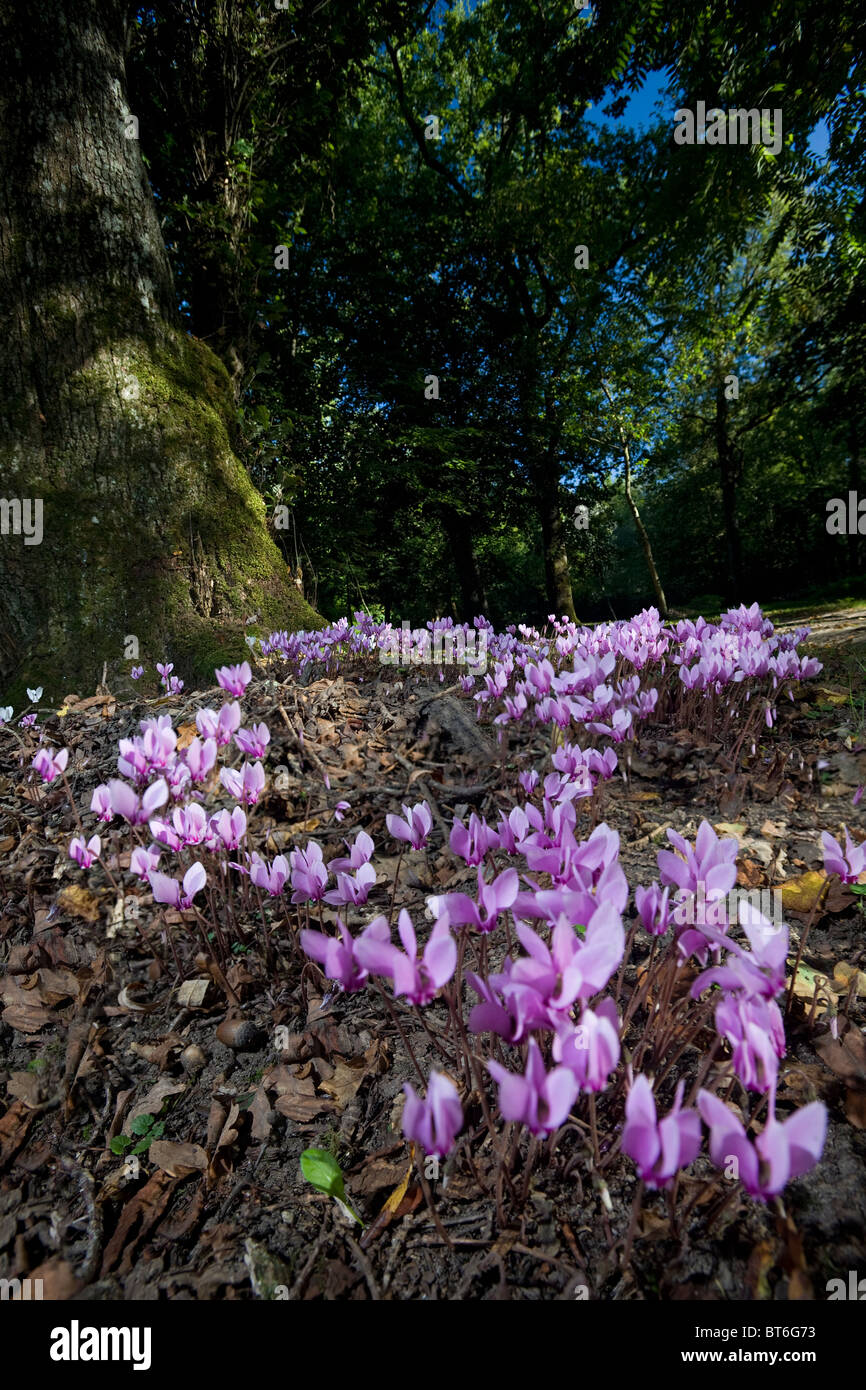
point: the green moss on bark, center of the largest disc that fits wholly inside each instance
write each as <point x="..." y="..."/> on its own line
<point x="152" y="528"/>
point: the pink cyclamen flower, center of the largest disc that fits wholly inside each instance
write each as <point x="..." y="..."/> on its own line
<point x="227" y="829"/>
<point x="190" y="823"/>
<point x="756" y="1032"/>
<point x="514" y="828"/>
<point x="234" y="679"/>
<point x="246" y="783"/>
<point x="200" y="758"/>
<point x="50" y="766"/>
<point x="272" y="877"/>
<point x="493" y="899"/>
<point x="337" y="955"/>
<point x="309" y="874"/>
<point x="415" y="828"/>
<point x="340" y="810"/>
<point x="569" y="968"/>
<point x="137" y="810"/>
<point x="165" y="834"/>
<point x="418" y="979"/>
<point x="591" y="1049"/>
<point x="100" y="802"/>
<point x="759" y="972"/>
<point x="435" y="1122"/>
<point x="473" y="843"/>
<point x="711" y="862"/>
<point x="141" y="861"/>
<point x="219" y="726"/>
<point x="539" y="1099"/>
<point x="507" y="1007"/>
<point x="652" y="907"/>
<point x="352" y="888"/>
<point x="850" y="864"/>
<point x="179" y="781"/>
<point x="659" y="1147"/>
<point x="169" y="890"/>
<point x="359" y="853"/>
<point x="254" y="742"/>
<point x="783" y="1151"/>
<point x="84" y="855"/>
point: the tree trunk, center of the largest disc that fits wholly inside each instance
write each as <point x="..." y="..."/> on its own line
<point x="729" y="473"/>
<point x="458" y="529"/>
<point x="557" y="576"/>
<point x="113" y="419"/>
<point x="643" y="537"/>
<point x="541" y="443"/>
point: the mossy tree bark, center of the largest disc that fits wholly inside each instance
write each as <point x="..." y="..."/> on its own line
<point x="112" y="417"/>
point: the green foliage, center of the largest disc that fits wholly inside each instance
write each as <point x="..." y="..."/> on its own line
<point x="322" y="1171"/>
<point x="144" y="1128"/>
<point x="454" y="257"/>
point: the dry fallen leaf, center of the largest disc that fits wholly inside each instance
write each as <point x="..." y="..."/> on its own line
<point x="773" y="830"/>
<point x="801" y="894"/>
<point x="13" y="1130"/>
<point x="393" y="1203"/>
<point x="191" y="993"/>
<point x="349" y="1074"/>
<point x="844" y="974"/>
<point x="58" y="1278"/>
<point x="151" y="1103"/>
<point x="296" y="1095"/>
<point x="828" y="695"/>
<point x="732" y="829"/>
<point x="845" y="1056"/>
<point x="178" y="1160"/>
<point x="749" y="874"/>
<point x="139" y="1215"/>
<point x="79" y="902"/>
<point x="26" y="1086"/>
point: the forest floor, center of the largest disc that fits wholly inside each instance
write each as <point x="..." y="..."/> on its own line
<point x="93" y="1032"/>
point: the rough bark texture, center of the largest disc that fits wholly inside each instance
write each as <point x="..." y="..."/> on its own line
<point x="111" y="415"/>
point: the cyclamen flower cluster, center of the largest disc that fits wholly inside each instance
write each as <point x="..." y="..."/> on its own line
<point x="567" y="966"/>
<point x="566" y="675"/>
<point x="155" y="772"/>
<point x="553" y="989"/>
<point x="560" y="898"/>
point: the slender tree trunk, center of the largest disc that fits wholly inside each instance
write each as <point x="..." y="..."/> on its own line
<point x="458" y="528"/>
<point x="643" y="537"/>
<point x="557" y="576"/>
<point x="113" y="420"/>
<point x="729" y="474"/>
<point x="540" y="441"/>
